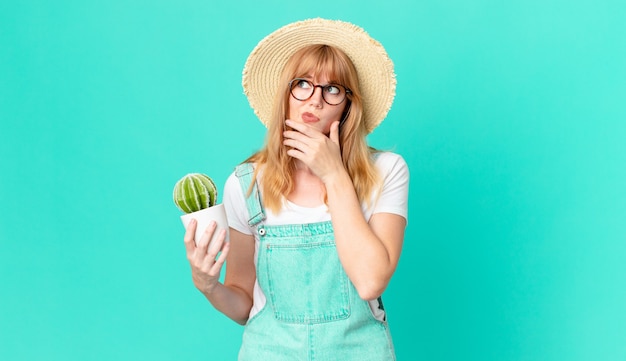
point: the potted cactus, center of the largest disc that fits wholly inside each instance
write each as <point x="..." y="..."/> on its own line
<point x="196" y="195"/>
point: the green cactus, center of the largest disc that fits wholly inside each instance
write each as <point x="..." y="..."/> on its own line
<point x="195" y="192"/>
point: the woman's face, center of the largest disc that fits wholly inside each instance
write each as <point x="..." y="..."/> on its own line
<point x="314" y="111"/>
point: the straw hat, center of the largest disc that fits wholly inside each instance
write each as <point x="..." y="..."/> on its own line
<point x="263" y="68"/>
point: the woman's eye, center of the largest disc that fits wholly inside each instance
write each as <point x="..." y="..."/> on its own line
<point x="304" y="84"/>
<point x="331" y="89"/>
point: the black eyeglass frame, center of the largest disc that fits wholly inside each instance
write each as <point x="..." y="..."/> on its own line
<point x="325" y="86"/>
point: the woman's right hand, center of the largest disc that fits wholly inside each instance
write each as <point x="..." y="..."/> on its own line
<point x="206" y="262"/>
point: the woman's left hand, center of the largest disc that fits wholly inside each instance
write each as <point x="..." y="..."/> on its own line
<point x="321" y="153"/>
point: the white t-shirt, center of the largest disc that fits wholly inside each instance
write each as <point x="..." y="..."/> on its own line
<point x="393" y="199"/>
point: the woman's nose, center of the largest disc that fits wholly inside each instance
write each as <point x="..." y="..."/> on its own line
<point x="317" y="97"/>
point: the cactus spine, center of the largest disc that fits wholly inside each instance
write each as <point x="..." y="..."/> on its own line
<point x="195" y="192"/>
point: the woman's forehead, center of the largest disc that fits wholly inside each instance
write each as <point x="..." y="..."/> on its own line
<point x="320" y="69"/>
<point x="318" y="75"/>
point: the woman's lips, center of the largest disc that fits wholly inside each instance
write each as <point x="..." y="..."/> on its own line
<point x="309" y="118"/>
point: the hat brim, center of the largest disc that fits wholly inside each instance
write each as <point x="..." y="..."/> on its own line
<point x="375" y="71"/>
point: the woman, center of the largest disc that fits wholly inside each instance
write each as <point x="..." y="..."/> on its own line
<point x="316" y="217"/>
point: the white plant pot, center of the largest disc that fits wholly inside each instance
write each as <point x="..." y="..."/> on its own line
<point x="216" y="213"/>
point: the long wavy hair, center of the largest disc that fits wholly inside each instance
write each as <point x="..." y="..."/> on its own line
<point x="275" y="169"/>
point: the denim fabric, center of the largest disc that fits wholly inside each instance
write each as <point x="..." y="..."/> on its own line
<point x="312" y="311"/>
<point x="244" y="173"/>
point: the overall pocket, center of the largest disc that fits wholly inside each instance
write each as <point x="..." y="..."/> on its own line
<point x="306" y="283"/>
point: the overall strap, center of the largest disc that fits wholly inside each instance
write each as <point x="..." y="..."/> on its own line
<point x="244" y="173"/>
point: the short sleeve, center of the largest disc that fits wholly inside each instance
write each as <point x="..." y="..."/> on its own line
<point x="235" y="205"/>
<point x="394" y="197"/>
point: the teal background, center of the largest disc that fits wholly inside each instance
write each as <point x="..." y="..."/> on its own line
<point x="511" y="116"/>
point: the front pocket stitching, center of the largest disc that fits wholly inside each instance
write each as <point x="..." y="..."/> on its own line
<point x="344" y="309"/>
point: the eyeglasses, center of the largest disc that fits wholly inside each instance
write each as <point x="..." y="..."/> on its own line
<point x="333" y="94"/>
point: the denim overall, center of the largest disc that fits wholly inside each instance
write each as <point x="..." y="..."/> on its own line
<point x="312" y="311"/>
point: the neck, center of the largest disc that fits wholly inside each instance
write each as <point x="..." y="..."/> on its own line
<point x="304" y="176"/>
<point x="301" y="167"/>
<point x="308" y="190"/>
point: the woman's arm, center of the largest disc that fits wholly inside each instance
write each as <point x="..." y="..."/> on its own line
<point x="234" y="297"/>
<point x="369" y="252"/>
